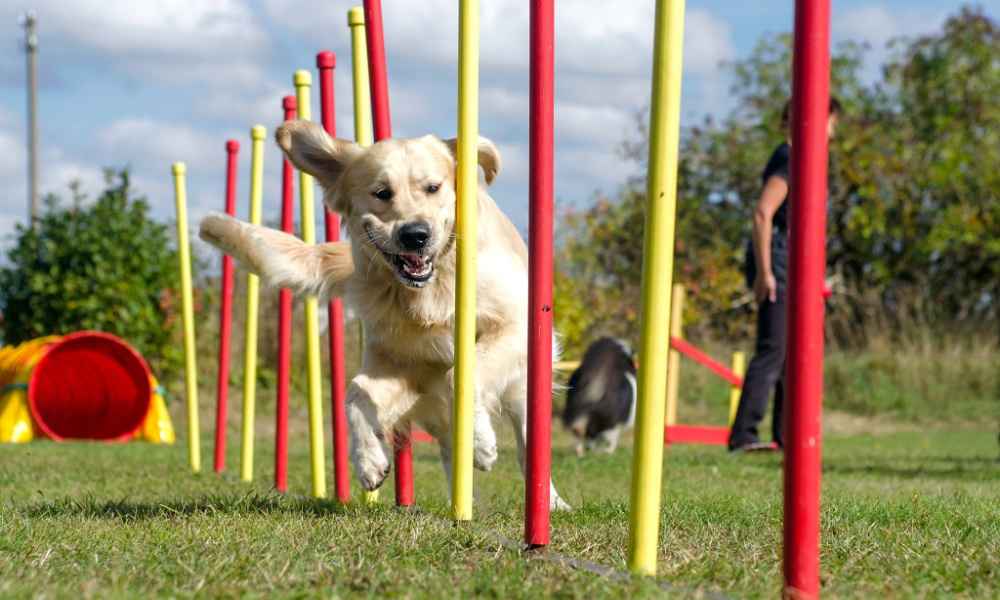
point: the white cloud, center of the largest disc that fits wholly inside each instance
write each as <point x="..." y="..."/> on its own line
<point x="142" y="140"/>
<point x="228" y="74"/>
<point x="217" y="42"/>
<point x="56" y="172"/>
<point x="707" y="43"/>
<point x="876" y="25"/>
<point x="12" y="155"/>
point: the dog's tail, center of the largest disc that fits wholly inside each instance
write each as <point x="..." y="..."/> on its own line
<point x="281" y="260"/>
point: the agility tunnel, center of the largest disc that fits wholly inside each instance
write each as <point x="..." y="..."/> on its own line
<point x="85" y="385"/>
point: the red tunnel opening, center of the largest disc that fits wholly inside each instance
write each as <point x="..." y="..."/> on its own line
<point x="89" y="385"/>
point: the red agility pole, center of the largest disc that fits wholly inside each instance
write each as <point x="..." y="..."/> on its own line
<point x="379" y="83"/>
<point x="326" y="62"/>
<point x="377" y="77"/>
<point x="284" y="320"/>
<point x="225" y="318"/>
<point x="810" y="105"/>
<point x="539" y="452"/>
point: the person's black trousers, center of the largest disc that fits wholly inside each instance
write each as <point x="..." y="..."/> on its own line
<point x="765" y="372"/>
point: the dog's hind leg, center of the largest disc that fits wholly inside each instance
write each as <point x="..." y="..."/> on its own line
<point x="517" y="411"/>
<point x="442" y="433"/>
<point x="611" y="439"/>
<point x="484" y="438"/>
<point x="484" y="445"/>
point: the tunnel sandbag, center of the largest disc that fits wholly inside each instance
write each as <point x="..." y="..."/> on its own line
<point x="89" y="385"/>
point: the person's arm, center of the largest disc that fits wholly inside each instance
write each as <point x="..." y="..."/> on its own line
<point x="774" y="193"/>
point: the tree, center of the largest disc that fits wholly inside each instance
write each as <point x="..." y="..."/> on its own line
<point x="107" y="266"/>
<point x="914" y="219"/>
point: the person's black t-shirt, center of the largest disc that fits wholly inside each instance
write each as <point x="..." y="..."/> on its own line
<point x="777" y="165"/>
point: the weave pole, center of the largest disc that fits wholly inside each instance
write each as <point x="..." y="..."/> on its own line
<point x="359" y="76"/>
<point x="362" y="128"/>
<point x="540" y="232"/>
<point x="674" y="357"/>
<point x="657" y="273"/>
<point x="379" y="83"/>
<point x="807" y="262"/>
<point x="187" y="311"/>
<point x="288" y="105"/>
<point x="225" y="319"/>
<point x="303" y="82"/>
<point x="467" y="198"/>
<point x="739" y="369"/>
<point x="257" y="134"/>
<point x="326" y="62"/>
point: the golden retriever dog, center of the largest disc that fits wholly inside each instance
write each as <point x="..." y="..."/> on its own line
<point x="397" y="198"/>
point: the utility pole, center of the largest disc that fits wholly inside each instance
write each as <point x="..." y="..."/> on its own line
<point x="31" y="49"/>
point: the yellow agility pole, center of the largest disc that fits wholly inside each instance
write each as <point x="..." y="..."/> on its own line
<point x="187" y="304"/>
<point x="657" y="273"/>
<point x="674" y="360"/>
<point x="739" y="367"/>
<point x="303" y="81"/>
<point x="467" y="187"/>
<point x="362" y="129"/>
<point x="257" y="134"/>
<point x="359" y="70"/>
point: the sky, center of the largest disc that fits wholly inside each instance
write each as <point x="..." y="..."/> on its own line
<point x="144" y="84"/>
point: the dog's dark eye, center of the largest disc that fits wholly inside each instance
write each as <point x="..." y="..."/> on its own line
<point x="433" y="188"/>
<point x="384" y="194"/>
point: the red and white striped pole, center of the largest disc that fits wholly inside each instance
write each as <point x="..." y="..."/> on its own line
<point x="326" y="62"/>
<point x="379" y="82"/>
<point x="288" y="103"/>
<point x="807" y="262"/>
<point x="540" y="228"/>
<point x="225" y="318"/>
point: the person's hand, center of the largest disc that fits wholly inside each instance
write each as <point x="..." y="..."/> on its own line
<point x="765" y="287"/>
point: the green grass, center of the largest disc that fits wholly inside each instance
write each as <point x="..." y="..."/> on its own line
<point x="905" y="514"/>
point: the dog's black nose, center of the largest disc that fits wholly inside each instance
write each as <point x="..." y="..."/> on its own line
<point x="414" y="236"/>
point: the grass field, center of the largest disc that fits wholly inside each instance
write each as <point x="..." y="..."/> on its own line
<point x="905" y="514"/>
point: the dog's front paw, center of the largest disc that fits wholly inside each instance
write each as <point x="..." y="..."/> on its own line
<point x="484" y="455"/>
<point x="220" y="230"/>
<point x="371" y="466"/>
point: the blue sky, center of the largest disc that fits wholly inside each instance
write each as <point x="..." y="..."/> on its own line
<point x="147" y="83"/>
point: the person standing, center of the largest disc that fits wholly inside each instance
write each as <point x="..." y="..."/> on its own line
<point x="766" y="270"/>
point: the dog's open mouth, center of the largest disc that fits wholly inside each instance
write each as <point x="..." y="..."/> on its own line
<point x="413" y="270"/>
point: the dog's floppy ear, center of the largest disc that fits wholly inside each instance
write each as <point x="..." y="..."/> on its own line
<point x="489" y="156"/>
<point x="312" y="150"/>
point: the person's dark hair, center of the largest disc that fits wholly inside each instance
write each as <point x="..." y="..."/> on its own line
<point x="786" y="113"/>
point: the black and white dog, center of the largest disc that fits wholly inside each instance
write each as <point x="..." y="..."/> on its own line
<point x="600" y="400"/>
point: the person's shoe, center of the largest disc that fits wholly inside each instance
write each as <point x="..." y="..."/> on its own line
<point x="754" y="447"/>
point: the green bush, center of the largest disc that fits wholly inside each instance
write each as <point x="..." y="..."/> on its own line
<point x="104" y="266"/>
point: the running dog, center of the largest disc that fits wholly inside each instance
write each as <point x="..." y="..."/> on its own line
<point x="397" y="199"/>
<point x="601" y="395"/>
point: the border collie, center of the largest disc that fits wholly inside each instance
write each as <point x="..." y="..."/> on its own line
<point x="601" y="395"/>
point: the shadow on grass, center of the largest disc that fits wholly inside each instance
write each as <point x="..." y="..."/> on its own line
<point x="250" y="504"/>
<point x="944" y="467"/>
<point x="957" y="468"/>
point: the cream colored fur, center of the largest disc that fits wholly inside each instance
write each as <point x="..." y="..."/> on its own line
<point x="407" y="370"/>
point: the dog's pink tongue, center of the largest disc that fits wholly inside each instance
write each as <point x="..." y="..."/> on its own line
<point x="414" y="261"/>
